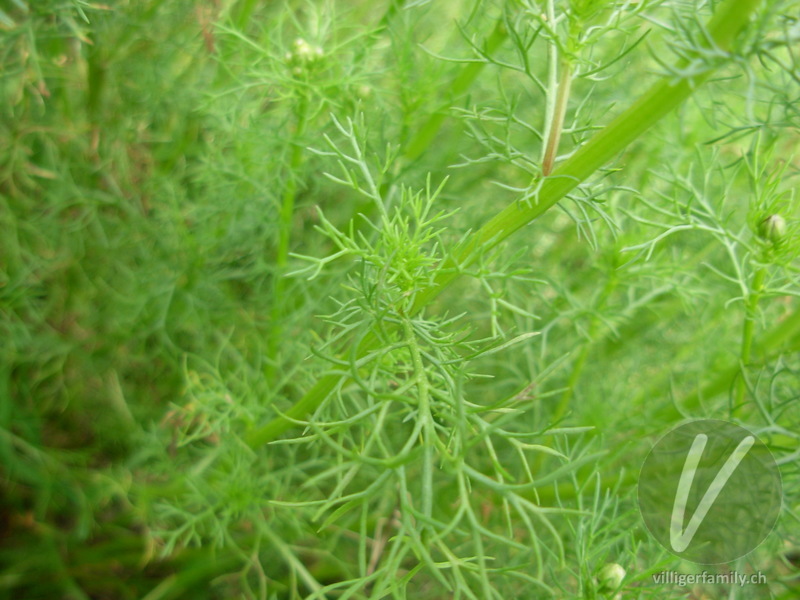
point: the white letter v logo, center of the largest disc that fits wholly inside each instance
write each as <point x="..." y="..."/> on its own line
<point x="680" y="539"/>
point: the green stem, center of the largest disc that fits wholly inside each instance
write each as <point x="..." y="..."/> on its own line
<point x="781" y="338"/>
<point x="580" y="363"/>
<point x="423" y="412"/>
<point x="290" y="193"/>
<point x="557" y="122"/>
<point x="294" y="563"/>
<point x="286" y="218"/>
<point x="426" y="134"/>
<point x="663" y="97"/>
<point x="242" y="11"/>
<point x="391" y="11"/>
<point x="750" y="314"/>
<point x="552" y="78"/>
<point x="748" y="329"/>
<point x="574" y="377"/>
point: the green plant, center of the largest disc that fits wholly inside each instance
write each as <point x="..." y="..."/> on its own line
<point x="304" y="307"/>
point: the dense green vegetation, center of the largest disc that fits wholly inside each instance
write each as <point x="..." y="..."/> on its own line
<point x="333" y="299"/>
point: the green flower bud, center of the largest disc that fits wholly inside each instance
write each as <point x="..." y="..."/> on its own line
<point x="303" y="56"/>
<point x="772" y="229"/>
<point x="610" y="576"/>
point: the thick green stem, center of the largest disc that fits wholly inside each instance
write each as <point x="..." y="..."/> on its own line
<point x="663" y="97"/>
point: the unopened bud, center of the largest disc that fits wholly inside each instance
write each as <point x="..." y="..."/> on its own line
<point x="610" y="576"/>
<point x="303" y="55"/>
<point x="772" y="229"/>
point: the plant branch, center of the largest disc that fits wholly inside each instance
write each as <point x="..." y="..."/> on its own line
<point x="662" y="98"/>
<point x="748" y="328"/>
<point x="557" y="123"/>
<point x="427" y="133"/>
<point x="285" y="227"/>
<point x="552" y="78"/>
<point x="423" y="413"/>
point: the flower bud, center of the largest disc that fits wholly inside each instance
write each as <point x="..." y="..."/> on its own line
<point x="772" y="229"/>
<point x="364" y="92"/>
<point x="306" y="52"/>
<point x="303" y="56"/>
<point x="610" y="576"/>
